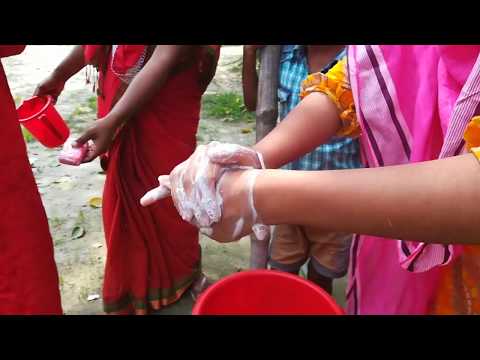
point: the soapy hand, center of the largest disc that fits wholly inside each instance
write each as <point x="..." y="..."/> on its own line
<point x="195" y="184"/>
<point x="157" y="194"/>
<point x="239" y="216"/>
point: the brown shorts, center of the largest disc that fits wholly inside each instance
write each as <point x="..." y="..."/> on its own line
<point x="293" y="245"/>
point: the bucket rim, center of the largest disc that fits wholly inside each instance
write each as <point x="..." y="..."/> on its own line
<point x="337" y="309"/>
<point x="31" y="117"/>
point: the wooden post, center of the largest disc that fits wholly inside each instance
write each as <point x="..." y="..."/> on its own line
<point x="266" y="120"/>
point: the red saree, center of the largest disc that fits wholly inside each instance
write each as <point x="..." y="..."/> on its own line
<point x="28" y="275"/>
<point x="153" y="256"/>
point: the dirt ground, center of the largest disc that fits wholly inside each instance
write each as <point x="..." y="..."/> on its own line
<point x="76" y="226"/>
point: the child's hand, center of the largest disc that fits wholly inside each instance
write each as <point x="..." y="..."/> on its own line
<point x="196" y="190"/>
<point x="192" y="186"/>
<point x="234" y="155"/>
<point x="193" y="182"/>
<point x="157" y="194"/>
<point x="239" y="216"/>
<point x="193" y="189"/>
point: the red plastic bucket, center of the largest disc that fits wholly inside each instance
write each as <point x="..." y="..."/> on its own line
<point x="265" y="292"/>
<point x="43" y="121"/>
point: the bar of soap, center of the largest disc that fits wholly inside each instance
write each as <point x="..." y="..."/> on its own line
<point x="72" y="156"/>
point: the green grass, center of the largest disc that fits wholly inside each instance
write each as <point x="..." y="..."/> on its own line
<point x="92" y="103"/>
<point x="227" y="106"/>
<point x="17" y="100"/>
<point x="86" y="108"/>
<point x="26" y="135"/>
<point x="81" y="110"/>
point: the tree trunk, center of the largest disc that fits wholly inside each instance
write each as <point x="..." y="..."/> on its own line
<point x="266" y="116"/>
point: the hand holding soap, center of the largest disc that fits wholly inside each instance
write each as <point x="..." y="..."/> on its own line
<point x="72" y="156"/>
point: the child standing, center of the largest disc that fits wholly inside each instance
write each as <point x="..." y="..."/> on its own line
<point x="293" y="245"/>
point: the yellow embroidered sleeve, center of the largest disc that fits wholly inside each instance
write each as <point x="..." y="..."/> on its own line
<point x="472" y="136"/>
<point x="335" y="85"/>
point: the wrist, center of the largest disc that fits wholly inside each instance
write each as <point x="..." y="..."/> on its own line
<point x="111" y="121"/>
<point x="262" y="156"/>
<point x="118" y="115"/>
<point x="263" y="196"/>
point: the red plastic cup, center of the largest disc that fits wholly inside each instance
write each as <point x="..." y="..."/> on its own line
<point x="265" y="292"/>
<point x="39" y="116"/>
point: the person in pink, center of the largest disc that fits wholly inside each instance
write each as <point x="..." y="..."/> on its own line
<point x="410" y="106"/>
<point x="413" y="104"/>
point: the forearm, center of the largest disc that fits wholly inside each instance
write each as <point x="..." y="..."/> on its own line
<point x="147" y="83"/>
<point x="312" y="123"/>
<point x="434" y="201"/>
<point x="72" y="64"/>
<point x="250" y="78"/>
